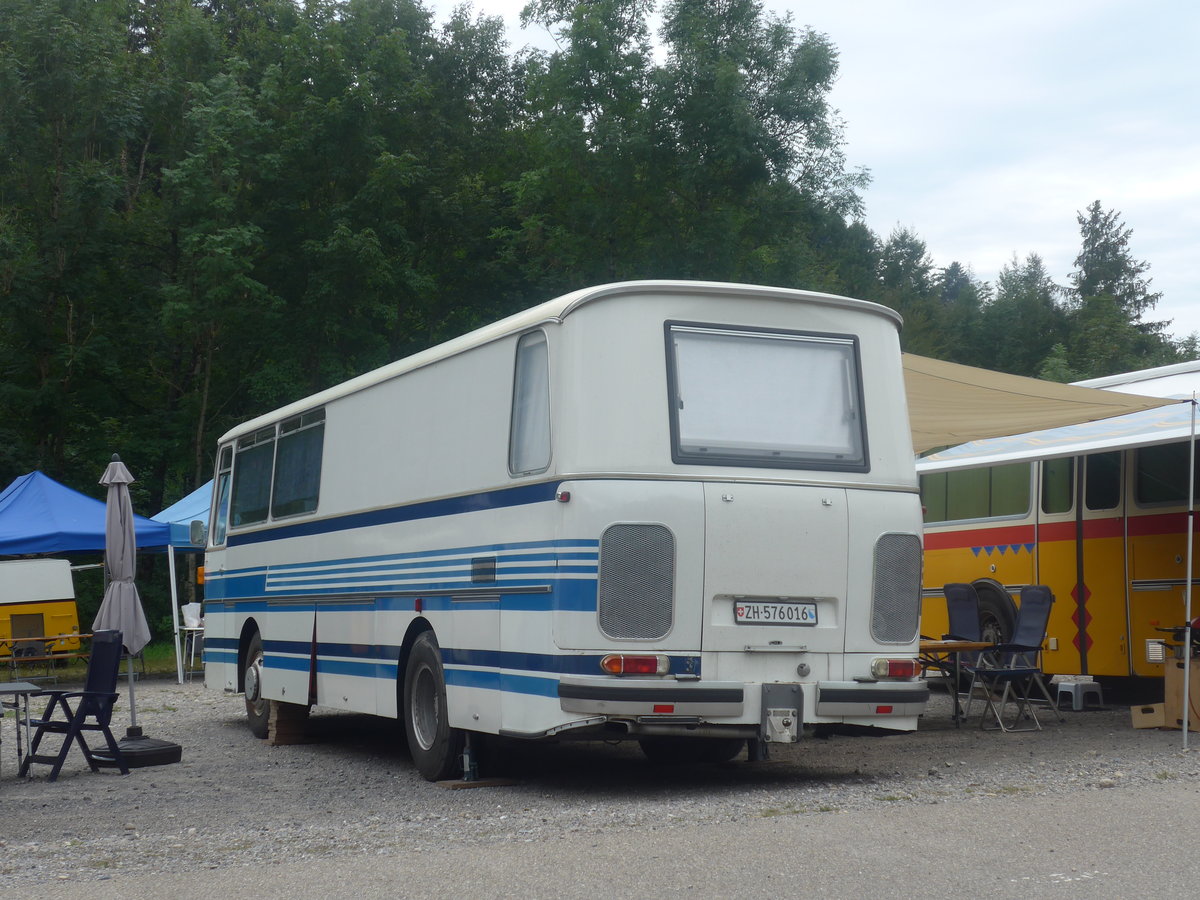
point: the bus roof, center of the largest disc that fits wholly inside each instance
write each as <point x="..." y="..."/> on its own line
<point x="552" y="311"/>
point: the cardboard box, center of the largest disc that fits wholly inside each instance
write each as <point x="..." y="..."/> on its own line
<point x="1151" y="716"/>
<point x="1173" y="695"/>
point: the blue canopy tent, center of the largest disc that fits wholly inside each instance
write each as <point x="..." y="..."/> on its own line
<point x="39" y="515"/>
<point x="179" y="517"/>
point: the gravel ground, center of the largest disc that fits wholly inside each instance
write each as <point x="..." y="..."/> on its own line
<point x="235" y="801"/>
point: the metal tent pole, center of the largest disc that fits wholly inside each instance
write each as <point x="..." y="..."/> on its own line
<point x="1187" y="589"/>
<point x="175" y="612"/>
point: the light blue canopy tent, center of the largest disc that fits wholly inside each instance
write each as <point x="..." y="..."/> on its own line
<point x="178" y="517"/>
<point x="181" y="514"/>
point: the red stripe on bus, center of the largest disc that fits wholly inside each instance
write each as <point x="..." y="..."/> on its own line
<point x="1112" y="527"/>
<point x="977" y="537"/>
<point x="1163" y="523"/>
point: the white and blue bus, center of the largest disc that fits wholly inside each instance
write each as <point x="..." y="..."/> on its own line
<point x="682" y="513"/>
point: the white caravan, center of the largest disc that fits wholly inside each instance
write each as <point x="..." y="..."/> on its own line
<point x="684" y="513"/>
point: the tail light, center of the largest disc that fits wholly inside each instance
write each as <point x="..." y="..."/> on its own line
<point x="895" y="668"/>
<point x="629" y="664"/>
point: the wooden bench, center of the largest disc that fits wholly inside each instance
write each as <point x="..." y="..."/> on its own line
<point x="16" y="660"/>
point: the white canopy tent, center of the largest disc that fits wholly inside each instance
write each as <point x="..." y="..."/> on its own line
<point x="179" y="516"/>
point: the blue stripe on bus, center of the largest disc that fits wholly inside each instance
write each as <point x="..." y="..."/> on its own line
<point x="379" y="660"/>
<point x="317" y="580"/>
<point x="570" y="595"/>
<point x="553" y="560"/>
<point x="589" y="548"/>
<point x="501" y="681"/>
<point x="499" y="499"/>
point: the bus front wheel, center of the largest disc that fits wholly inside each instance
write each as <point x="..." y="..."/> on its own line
<point x="436" y="747"/>
<point x="258" y="708"/>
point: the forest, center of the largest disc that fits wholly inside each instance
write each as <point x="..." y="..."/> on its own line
<point x="210" y="208"/>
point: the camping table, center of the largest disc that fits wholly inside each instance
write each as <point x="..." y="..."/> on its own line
<point x="20" y="691"/>
<point x="934" y="653"/>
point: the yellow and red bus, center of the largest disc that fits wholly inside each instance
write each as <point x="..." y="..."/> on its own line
<point x="1098" y="512"/>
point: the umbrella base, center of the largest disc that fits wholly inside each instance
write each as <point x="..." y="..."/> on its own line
<point x="141" y="751"/>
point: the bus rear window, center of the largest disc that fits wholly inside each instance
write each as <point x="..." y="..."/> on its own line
<point x="759" y="398"/>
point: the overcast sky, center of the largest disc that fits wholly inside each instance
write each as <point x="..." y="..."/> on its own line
<point x="987" y="127"/>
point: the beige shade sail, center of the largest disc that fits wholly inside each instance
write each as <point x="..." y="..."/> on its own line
<point x="949" y="403"/>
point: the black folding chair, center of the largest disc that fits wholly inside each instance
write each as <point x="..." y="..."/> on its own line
<point x="92" y="711"/>
<point x="1017" y="665"/>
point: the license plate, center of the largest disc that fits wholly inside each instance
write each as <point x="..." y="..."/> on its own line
<point x="773" y="612"/>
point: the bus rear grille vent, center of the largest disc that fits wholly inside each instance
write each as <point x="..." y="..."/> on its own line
<point x="637" y="581"/>
<point x="896" y="598"/>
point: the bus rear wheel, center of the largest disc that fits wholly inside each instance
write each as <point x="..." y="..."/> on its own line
<point x="436" y="747"/>
<point x="258" y="708"/>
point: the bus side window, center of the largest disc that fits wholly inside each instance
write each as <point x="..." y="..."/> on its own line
<point x="220" y="522"/>
<point x="1058" y="479"/>
<point x="1102" y="480"/>
<point x="1162" y="475"/>
<point x="252" y="478"/>
<point x="529" y="437"/>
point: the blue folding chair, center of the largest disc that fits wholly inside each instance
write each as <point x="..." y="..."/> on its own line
<point x="1014" y="669"/>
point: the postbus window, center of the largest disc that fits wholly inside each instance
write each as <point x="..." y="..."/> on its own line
<point x="1162" y="474"/>
<point x="1102" y="480"/>
<point x="1058" y="477"/>
<point x="987" y="493"/>
<point x="297" y="482"/>
<point x="529" y="435"/>
<point x="968" y="494"/>
<point x="252" y="478"/>
<point x="1010" y="490"/>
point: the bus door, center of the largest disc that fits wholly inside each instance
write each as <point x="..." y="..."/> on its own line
<point x="1157" y="551"/>
<point x="1098" y="620"/>
<point x="1057" y="562"/>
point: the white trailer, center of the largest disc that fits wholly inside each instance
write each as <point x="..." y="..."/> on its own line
<point x="678" y="512"/>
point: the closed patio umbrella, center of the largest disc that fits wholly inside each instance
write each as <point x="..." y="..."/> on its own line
<point x="121" y="608"/>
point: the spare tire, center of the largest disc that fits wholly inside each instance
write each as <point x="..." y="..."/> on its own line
<point x="997" y="612"/>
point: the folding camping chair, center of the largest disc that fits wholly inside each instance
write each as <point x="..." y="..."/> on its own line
<point x="92" y="711"/>
<point x="1017" y="665"/>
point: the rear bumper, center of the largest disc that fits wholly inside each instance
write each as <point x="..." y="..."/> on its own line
<point x="859" y="699"/>
<point x="624" y="697"/>
<point x="733" y="700"/>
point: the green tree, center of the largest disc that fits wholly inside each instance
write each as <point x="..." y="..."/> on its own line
<point x="1024" y="321"/>
<point x="1109" y="297"/>
<point x="961" y="297"/>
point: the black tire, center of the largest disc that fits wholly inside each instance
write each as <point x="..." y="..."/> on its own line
<point x="258" y="709"/>
<point x="436" y="747"/>
<point x="997" y="614"/>
<point x="686" y="751"/>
